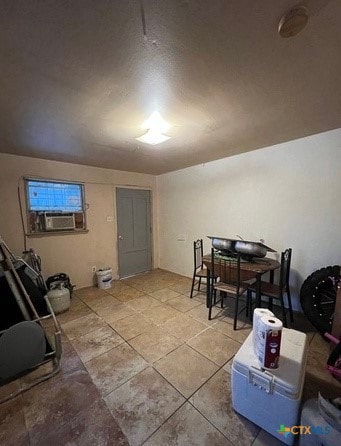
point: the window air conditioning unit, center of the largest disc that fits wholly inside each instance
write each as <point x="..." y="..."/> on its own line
<point x="59" y="222"/>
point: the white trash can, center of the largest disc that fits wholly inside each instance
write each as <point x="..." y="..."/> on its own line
<point x="104" y="278"/>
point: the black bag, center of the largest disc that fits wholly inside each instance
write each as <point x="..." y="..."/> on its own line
<point x="57" y="279"/>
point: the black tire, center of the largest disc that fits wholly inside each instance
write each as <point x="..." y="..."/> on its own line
<point x="318" y="296"/>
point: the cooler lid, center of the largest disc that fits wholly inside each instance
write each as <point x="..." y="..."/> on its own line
<point x="288" y="378"/>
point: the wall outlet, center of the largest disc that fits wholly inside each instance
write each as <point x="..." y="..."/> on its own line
<point x="93" y="269"/>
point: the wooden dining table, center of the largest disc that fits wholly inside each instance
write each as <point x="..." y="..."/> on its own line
<point x="252" y="269"/>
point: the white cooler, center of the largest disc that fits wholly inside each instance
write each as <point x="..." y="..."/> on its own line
<point x="271" y="398"/>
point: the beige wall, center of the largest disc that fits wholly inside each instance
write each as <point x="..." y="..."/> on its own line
<point x="288" y="194"/>
<point x="72" y="254"/>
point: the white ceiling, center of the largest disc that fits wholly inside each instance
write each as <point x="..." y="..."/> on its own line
<point x="79" y="77"/>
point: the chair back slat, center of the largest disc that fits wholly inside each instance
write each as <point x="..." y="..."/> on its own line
<point x="226" y="268"/>
<point x="198" y="254"/>
<point x="199" y="271"/>
<point x="285" y="269"/>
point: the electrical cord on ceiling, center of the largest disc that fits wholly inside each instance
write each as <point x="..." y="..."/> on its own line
<point x="22" y="218"/>
<point x="143" y="19"/>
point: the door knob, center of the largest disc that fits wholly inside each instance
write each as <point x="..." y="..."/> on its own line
<point x="120" y="237"/>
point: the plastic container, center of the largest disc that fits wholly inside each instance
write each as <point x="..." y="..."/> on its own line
<point x="59" y="298"/>
<point x="104" y="278"/>
<point x="326" y="419"/>
<point x="271" y="398"/>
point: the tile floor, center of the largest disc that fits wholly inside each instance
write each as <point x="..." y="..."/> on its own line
<point x="141" y="365"/>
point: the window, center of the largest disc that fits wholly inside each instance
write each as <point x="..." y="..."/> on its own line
<point x="54" y="206"/>
<point x="54" y="197"/>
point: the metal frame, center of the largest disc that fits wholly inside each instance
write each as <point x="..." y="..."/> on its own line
<point x="23" y="300"/>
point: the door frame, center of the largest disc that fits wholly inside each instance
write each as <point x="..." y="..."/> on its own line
<point x="150" y="190"/>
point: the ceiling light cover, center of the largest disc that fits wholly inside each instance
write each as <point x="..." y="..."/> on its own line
<point x="155" y="125"/>
<point x="156" y="122"/>
<point x="153" y="137"/>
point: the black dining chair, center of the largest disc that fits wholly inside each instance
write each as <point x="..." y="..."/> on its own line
<point x="276" y="292"/>
<point x="200" y="271"/>
<point x="229" y="282"/>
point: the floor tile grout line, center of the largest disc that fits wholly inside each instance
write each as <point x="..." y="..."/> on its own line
<point x="211" y="377"/>
<point x="164" y="422"/>
<point x="24" y="415"/>
<point x="213" y="374"/>
<point x="185" y="343"/>
<point x="77" y="337"/>
<point x="205" y="357"/>
<point x="101" y="394"/>
<point x="152" y="365"/>
<point x="147" y="292"/>
<point x="199" y="352"/>
<point x="144" y="293"/>
<point x="211" y="423"/>
<point x="124" y="341"/>
<point x="103" y="353"/>
<point x="205" y="382"/>
<point x="104" y="396"/>
<point x="149" y="364"/>
<point x="218" y="365"/>
<point x="109" y="324"/>
<point x="187" y="400"/>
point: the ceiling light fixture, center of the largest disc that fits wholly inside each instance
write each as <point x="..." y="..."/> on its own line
<point x="293" y="22"/>
<point x="155" y="126"/>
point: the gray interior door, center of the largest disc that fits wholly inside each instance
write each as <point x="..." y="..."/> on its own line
<point x="134" y="231"/>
